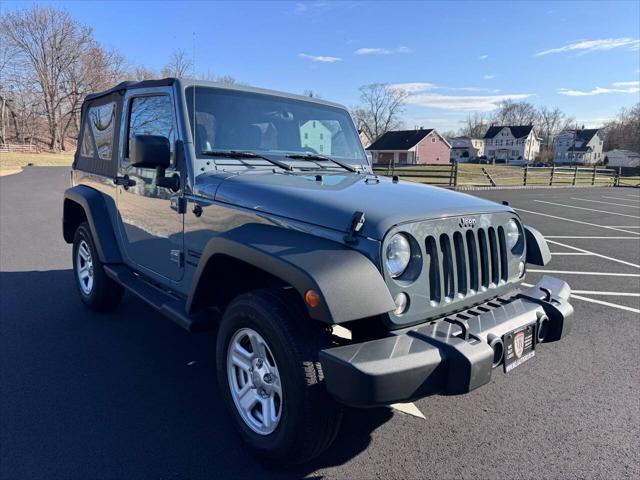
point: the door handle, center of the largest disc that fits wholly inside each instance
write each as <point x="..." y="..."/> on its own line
<point x="125" y="181"/>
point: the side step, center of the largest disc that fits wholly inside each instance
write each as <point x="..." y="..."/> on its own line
<point x="165" y="303"/>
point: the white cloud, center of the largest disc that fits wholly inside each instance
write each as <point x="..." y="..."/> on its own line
<point x="586" y="46"/>
<point x="320" y="58"/>
<point x="479" y="103"/>
<point x="483" y="57"/>
<point x="382" y="51"/>
<point x="597" y="91"/>
<point x="310" y="7"/>
<point x="413" y="87"/>
<point x="488" y="77"/>
<point x="626" y="84"/>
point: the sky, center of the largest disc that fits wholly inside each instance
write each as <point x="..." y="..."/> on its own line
<point x="454" y="58"/>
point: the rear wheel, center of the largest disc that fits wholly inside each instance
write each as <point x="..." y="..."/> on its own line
<point x="96" y="289"/>
<point x="271" y="379"/>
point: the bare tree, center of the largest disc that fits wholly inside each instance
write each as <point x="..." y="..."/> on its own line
<point x="474" y="126"/>
<point x="179" y="65"/>
<point x="49" y="42"/>
<point x="380" y="109"/>
<point x="140" y="73"/>
<point x="624" y="131"/>
<point x="226" y="79"/>
<point x="515" y="113"/>
<point x="551" y="121"/>
<point x="311" y="93"/>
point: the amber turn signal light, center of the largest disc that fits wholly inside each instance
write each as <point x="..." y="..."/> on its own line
<point x="312" y="298"/>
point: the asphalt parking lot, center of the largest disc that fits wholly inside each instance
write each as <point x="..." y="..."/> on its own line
<point x="131" y="395"/>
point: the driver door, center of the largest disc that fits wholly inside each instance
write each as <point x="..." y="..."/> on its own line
<point x="151" y="229"/>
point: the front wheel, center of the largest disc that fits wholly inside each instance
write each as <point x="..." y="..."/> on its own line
<point x="97" y="290"/>
<point x="271" y="379"/>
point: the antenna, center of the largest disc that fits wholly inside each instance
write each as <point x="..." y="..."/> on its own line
<point x="193" y="121"/>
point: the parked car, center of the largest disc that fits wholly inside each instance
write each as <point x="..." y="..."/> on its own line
<point x="257" y="213"/>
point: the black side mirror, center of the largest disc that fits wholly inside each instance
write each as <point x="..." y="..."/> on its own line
<point x="150" y="151"/>
<point x="153" y="151"/>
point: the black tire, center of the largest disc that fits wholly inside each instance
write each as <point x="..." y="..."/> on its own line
<point x="310" y="418"/>
<point x="105" y="294"/>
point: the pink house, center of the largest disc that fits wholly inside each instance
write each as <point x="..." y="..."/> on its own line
<point x="410" y="147"/>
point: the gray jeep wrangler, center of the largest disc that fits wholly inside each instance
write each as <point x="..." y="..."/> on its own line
<point x="256" y="213"/>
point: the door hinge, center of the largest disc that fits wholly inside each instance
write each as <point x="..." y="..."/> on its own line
<point x="179" y="204"/>
<point x="177" y="256"/>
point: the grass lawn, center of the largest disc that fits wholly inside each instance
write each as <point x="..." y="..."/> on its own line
<point x="13" y="162"/>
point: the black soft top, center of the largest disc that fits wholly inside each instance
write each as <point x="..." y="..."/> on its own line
<point x="129" y="84"/>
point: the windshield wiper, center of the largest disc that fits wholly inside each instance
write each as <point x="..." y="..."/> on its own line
<point x="311" y="156"/>
<point x="240" y="154"/>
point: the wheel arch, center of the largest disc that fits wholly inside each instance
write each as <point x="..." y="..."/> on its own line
<point x="82" y="203"/>
<point x="349" y="284"/>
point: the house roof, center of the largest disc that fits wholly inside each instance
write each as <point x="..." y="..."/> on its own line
<point x="518" y="131"/>
<point x="586" y="134"/>
<point x="619" y="151"/>
<point x="580" y="149"/>
<point x="399" y="140"/>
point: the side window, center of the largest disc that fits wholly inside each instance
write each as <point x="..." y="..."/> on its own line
<point x="86" y="149"/>
<point x="98" y="131"/>
<point x="151" y="115"/>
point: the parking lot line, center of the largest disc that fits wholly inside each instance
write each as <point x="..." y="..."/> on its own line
<point x="588" y="209"/>
<point x="569" y="253"/>
<point x="599" y="302"/>
<point x="606" y="203"/>
<point x="624" y="199"/>
<point x="570" y="272"/>
<point x="592" y="238"/>
<point x="619" y="229"/>
<point x="611" y="294"/>
<point x="607" y="304"/>
<point x="617" y="260"/>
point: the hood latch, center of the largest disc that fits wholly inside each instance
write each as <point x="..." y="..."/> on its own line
<point x="357" y="222"/>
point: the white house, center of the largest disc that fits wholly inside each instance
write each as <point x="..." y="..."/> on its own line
<point x="464" y="149"/>
<point x="316" y="135"/>
<point x="582" y="146"/>
<point x="622" y="158"/>
<point x="516" y="144"/>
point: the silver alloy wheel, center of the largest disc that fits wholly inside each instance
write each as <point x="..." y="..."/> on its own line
<point x="84" y="268"/>
<point x="254" y="381"/>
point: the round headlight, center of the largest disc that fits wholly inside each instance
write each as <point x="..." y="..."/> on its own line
<point x="397" y="255"/>
<point x="513" y="233"/>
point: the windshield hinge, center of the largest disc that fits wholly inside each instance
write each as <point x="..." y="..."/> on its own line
<point x="357" y="222"/>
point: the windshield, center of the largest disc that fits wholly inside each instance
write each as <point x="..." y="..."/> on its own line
<point x="272" y="126"/>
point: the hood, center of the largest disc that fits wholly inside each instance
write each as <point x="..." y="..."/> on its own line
<point x="332" y="201"/>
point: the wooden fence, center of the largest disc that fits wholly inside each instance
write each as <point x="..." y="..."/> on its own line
<point x="433" y="174"/>
<point x="16" y="147"/>
<point x="471" y="175"/>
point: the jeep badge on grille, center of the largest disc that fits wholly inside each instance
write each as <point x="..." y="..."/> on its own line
<point x="467" y="222"/>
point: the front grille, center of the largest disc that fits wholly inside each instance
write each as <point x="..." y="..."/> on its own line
<point x="464" y="264"/>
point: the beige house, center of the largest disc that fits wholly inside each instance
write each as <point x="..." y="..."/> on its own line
<point x="464" y="149"/>
<point x="622" y="158"/>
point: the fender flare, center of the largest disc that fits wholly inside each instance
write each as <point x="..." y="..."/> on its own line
<point x="537" y="248"/>
<point x="95" y="209"/>
<point x="350" y="285"/>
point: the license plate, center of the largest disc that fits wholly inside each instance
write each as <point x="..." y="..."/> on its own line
<point x="519" y="346"/>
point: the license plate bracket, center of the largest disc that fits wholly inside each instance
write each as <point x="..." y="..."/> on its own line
<point x="519" y="346"/>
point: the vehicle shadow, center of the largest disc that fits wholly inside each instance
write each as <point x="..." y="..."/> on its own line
<point x="126" y="394"/>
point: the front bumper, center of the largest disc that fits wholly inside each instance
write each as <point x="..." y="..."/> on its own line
<point x="452" y="355"/>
